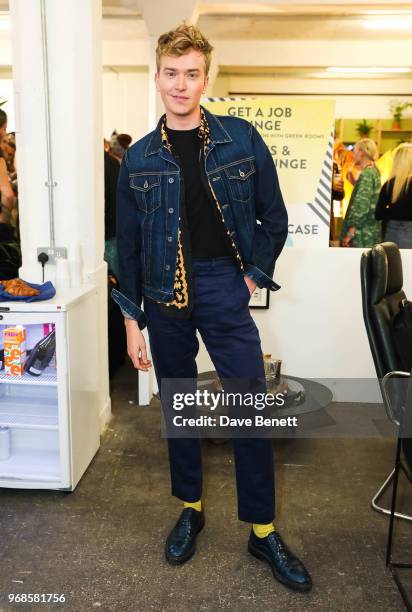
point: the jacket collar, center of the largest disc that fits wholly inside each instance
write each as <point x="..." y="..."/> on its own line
<point x="211" y="131"/>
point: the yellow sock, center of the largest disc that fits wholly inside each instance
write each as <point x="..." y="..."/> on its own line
<point x="196" y="505"/>
<point x="261" y="531"/>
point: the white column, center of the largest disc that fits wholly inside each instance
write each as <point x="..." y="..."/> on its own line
<point x="155" y="104"/>
<point x="213" y="73"/>
<point x="75" y="74"/>
<point x="28" y="84"/>
<point x="74" y="57"/>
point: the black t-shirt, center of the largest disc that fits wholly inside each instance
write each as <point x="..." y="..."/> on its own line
<point x="401" y="210"/>
<point x="208" y="237"/>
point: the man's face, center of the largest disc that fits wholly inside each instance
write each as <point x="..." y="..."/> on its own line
<point x="181" y="82"/>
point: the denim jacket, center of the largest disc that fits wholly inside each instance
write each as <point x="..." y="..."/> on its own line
<point x="243" y="178"/>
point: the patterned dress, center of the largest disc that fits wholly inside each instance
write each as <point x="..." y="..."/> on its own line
<point x="361" y="210"/>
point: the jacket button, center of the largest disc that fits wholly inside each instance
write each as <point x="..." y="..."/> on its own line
<point x="171" y="179"/>
<point x="167" y="267"/>
<point x="241" y="173"/>
<point x="169" y="238"/>
<point x="171" y="210"/>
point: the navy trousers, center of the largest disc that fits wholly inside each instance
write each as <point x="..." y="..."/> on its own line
<point x="222" y="317"/>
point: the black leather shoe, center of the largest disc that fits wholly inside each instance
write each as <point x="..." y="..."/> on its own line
<point x="181" y="541"/>
<point x="285" y="566"/>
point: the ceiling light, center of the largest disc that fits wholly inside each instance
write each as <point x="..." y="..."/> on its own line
<point x="367" y="70"/>
<point x="388" y="24"/>
<point x="5" y="23"/>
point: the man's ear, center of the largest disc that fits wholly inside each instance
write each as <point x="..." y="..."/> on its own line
<point x="157" y="81"/>
<point x="206" y="83"/>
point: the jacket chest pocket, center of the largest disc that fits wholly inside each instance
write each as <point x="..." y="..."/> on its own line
<point x="240" y="178"/>
<point x="147" y="189"/>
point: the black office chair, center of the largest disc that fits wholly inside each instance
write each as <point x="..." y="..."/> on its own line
<point x="382" y="281"/>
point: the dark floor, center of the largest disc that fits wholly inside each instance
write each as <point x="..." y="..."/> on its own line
<point x="102" y="545"/>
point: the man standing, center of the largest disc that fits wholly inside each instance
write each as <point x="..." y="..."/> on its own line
<point x="200" y="223"/>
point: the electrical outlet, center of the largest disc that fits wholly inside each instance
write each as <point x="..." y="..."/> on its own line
<point x="52" y="253"/>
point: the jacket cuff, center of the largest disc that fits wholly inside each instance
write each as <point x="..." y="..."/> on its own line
<point x="129" y="309"/>
<point x="261" y="279"/>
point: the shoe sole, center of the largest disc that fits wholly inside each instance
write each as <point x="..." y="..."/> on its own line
<point x="292" y="585"/>
<point x="186" y="557"/>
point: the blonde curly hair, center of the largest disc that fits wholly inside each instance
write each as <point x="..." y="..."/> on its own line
<point x="179" y="41"/>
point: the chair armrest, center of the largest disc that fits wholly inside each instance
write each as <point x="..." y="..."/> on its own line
<point x="387" y="401"/>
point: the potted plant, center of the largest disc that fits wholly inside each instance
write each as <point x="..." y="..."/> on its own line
<point x="364" y="128"/>
<point x="397" y="109"/>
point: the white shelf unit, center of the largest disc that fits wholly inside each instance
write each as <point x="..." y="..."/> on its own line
<point x="53" y="418"/>
<point x="31" y="465"/>
<point x="48" y="377"/>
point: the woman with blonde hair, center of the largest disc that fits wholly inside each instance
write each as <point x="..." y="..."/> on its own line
<point x="394" y="205"/>
<point x="360" y="228"/>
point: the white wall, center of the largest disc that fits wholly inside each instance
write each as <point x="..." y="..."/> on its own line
<point x="125" y="100"/>
<point x="314" y="53"/>
<point x="314" y="322"/>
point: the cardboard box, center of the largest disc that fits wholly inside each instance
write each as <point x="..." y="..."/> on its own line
<point x="15" y="353"/>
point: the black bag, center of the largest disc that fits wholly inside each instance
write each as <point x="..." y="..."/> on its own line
<point x="401" y="325"/>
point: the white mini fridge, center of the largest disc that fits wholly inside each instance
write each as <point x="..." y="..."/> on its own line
<point x="51" y="420"/>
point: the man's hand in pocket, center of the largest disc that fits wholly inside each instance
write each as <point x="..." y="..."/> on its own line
<point x="250" y="283"/>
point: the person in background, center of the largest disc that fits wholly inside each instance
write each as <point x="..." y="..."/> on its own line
<point x="116" y="149"/>
<point x="343" y="157"/>
<point x="11" y="137"/>
<point x="111" y="173"/>
<point x="6" y="229"/>
<point x="394" y="205"/>
<point x="125" y="140"/>
<point x="352" y="173"/>
<point x="7" y="197"/>
<point x="338" y="193"/>
<point x="360" y="228"/>
<point x="10" y="252"/>
<point x="9" y="151"/>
